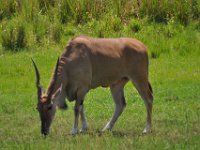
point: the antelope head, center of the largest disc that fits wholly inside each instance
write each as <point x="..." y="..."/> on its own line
<point x="45" y="105"/>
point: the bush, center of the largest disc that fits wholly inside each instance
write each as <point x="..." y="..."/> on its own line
<point x="70" y="30"/>
<point x="45" y="5"/>
<point x="117" y="24"/>
<point x="8" y="8"/>
<point x="55" y="32"/>
<point x="134" y="25"/>
<point x="21" y="37"/>
<point x="14" y="36"/>
<point x="66" y="12"/>
<point x="33" y="22"/>
<point x="8" y="39"/>
<point x="40" y="27"/>
<point x="163" y="11"/>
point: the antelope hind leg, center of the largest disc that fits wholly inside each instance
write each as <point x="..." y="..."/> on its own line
<point x="145" y="91"/>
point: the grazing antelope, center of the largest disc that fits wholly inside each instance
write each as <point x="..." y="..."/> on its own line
<point x="87" y="63"/>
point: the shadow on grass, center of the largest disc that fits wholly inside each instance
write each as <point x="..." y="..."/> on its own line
<point x="99" y="133"/>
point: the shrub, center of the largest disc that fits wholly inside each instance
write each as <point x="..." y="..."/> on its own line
<point x="117" y="24"/>
<point x="45" y="5"/>
<point x="69" y="30"/>
<point x="14" y="36"/>
<point x="8" y="39"/>
<point x="66" y="11"/>
<point x="8" y="8"/>
<point x="21" y="37"/>
<point x="134" y="25"/>
<point x="40" y="27"/>
<point x="163" y="11"/>
<point x="55" y="32"/>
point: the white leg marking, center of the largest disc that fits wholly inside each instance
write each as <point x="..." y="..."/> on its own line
<point x="118" y="111"/>
<point x="107" y="127"/>
<point x="74" y="131"/>
<point x="147" y="129"/>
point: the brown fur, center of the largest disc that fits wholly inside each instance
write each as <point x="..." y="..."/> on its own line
<point x="87" y="63"/>
<point x="90" y="62"/>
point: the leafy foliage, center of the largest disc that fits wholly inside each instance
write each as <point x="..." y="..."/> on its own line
<point x="25" y="24"/>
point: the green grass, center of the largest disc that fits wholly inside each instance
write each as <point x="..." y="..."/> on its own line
<point x="40" y="30"/>
<point x="176" y="114"/>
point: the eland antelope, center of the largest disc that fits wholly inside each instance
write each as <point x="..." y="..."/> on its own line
<point x="88" y="63"/>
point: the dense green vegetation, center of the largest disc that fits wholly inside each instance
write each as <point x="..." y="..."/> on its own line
<point x="27" y="24"/>
<point x="41" y="28"/>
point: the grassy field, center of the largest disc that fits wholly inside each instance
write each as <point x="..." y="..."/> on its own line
<point x="40" y="29"/>
<point x="176" y="115"/>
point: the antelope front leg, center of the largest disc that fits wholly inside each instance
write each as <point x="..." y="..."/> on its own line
<point x="118" y="97"/>
<point x="76" y="115"/>
<point x="83" y="119"/>
<point x="78" y="109"/>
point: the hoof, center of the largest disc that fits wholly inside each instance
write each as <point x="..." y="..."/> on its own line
<point x="105" y="129"/>
<point x="74" y="131"/>
<point x="147" y="131"/>
<point x="82" y="130"/>
<point x="108" y="127"/>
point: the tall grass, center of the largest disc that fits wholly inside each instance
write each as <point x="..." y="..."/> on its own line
<point x="14" y="35"/>
<point x="48" y="21"/>
<point x="84" y="10"/>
